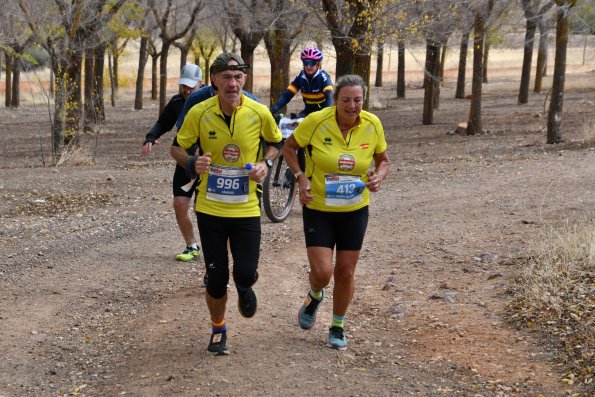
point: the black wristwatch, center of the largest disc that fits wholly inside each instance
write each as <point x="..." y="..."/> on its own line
<point x="268" y="162"/>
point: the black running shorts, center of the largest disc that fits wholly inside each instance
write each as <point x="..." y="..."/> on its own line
<point x="343" y="230"/>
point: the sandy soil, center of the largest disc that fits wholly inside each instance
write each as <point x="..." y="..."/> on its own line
<point x="92" y="301"/>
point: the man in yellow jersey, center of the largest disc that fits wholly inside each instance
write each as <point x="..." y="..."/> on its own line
<point x="341" y="143"/>
<point x="229" y="129"/>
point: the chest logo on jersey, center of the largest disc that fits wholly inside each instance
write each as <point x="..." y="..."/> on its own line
<point x="231" y="153"/>
<point x="346" y="162"/>
<point x="364" y="145"/>
<point x="328" y="141"/>
<point x="212" y="135"/>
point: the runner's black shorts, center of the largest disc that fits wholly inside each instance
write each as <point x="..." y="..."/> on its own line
<point x="182" y="179"/>
<point x="244" y="243"/>
<point x="343" y="230"/>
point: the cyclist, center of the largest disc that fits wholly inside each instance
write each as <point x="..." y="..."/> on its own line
<point x="342" y="141"/>
<point x="228" y="129"/>
<point x="314" y="83"/>
<point x="183" y="186"/>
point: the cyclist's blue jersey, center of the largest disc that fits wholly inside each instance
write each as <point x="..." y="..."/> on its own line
<point x="317" y="92"/>
<point x="200" y="95"/>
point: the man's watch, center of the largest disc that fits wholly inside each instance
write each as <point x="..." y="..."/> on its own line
<point x="268" y="162"/>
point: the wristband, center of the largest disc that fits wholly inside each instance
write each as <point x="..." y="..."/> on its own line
<point x="297" y="174"/>
<point x="190" y="169"/>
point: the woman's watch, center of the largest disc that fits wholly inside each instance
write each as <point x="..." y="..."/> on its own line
<point x="268" y="162"/>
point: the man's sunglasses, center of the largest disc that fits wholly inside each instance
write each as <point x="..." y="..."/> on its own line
<point x="310" y="63"/>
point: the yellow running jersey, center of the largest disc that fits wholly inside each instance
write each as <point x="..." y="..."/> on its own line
<point x="226" y="190"/>
<point x="337" y="166"/>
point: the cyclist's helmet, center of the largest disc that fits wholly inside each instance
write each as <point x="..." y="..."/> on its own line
<point x="311" y="54"/>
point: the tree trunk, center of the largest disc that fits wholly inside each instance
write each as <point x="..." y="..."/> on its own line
<point x="163" y="75"/>
<point x="554" y="120"/>
<point x="361" y="66"/>
<point x="437" y="80"/>
<point x="344" y="57"/>
<point x="401" y="70"/>
<point x="8" y="83"/>
<point x="486" y="53"/>
<point x="460" y="91"/>
<point x="142" y="62"/>
<point x="432" y="59"/>
<point x="279" y="49"/>
<point x="183" y="56"/>
<point x="541" y="55"/>
<point x="98" y="93"/>
<point x="154" y="78"/>
<point x="59" y="112"/>
<point x="116" y="71"/>
<point x="379" y="64"/>
<point x="89" y="118"/>
<point x="527" y="58"/>
<point x="474" y="123"/>
<point x="111" y="79"/>
<point x="15" y="99"/>
<point x="443" y="60"/>
<point x="73" y="66"/>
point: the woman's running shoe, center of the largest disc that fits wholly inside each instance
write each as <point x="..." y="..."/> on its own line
<point x="336" y="338"/>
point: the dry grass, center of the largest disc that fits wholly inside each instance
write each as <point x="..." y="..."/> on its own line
<point x="555" y="294"/>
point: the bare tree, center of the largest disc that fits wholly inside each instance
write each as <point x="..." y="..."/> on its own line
<point x="71" y="26"/>
<point x="534" y="10"/>
<point x="554" y="120"/>
<point x="544" y="25"/>
<point x="464" y="46"/>
<point x="249" y="20"/>
<point x="18" y="38"/>
<point x="482" y="12"/>
<point x="401" y="68"/>
<point x="288" y="23"/>
<point x="174" y="23"/>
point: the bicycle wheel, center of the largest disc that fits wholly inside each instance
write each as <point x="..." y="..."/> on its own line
<point x="278" y="191"/>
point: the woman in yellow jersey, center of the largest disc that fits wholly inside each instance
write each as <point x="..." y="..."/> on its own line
<point x="341" y="143"/>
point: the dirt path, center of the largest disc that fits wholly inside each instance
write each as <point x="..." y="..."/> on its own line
<point x="93" y="303"/>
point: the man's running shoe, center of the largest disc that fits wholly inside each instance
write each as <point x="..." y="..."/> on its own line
<point x="218" y="344"/>
<point x="336" y="338"/>
<point x="205" y="280"/>
<point x="247" y="303"/>
<point x="189" y="254"/>
<point x="307" y="313"/>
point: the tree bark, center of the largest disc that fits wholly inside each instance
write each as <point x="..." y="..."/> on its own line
<point x="154" y="78"/>
<point x="554" y="121"/>
<point x="474" y="123"/>
<point x="140" y="75"/>
<point x="8" y="83"/>
<point x="541" y="55"/>
<point x="15" y="99"/>
<point x="98" y="93"/>
<point x="460" y="91"/>
<point x="379" y="64"/>
<point x="484" y="72"/>
<point x="432" y="59"/>
<point x="89" y="118"/>
<point x="527" y="58"/>
<point x="401" y="69"/>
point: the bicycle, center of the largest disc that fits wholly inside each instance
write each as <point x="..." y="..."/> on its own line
<point x="279" y="187"/>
